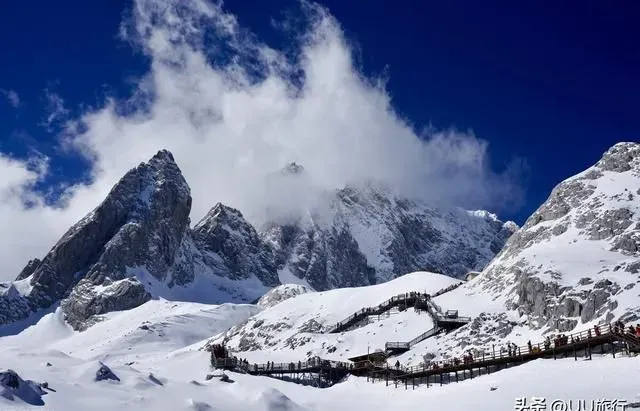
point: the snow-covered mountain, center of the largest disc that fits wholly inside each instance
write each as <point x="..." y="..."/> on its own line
<point x="577" y="258"/>
<point x="575" y="262"/>
<point x="366" y="234"/>
<point x="292" y="329"/>
<point x="138" y="244"/>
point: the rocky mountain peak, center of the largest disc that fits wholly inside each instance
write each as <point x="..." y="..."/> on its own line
<point x="293" y="169"/>
<point x="621" y="157"/>
<point x="225" y="233"/>
<point x="576" y="257"/>
<point x="141" y="223"/>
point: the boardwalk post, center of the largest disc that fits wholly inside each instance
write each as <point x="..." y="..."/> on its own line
<point x="456" y="376"/>
<point x="575" y="353"/>
<point x="387" y="374"/>
<point x="441" y="379"/>
<point x="613" y="348"/>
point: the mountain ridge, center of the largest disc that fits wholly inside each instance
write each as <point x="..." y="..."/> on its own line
<point x="138" y="244"/>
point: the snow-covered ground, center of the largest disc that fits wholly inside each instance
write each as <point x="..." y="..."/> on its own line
<point x="160" y="367"/>
<point x="290" y="330"/>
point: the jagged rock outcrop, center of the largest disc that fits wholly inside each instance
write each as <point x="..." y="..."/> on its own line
<point x="225" y="233"/>
<point x="576" y="258"/>
<point x="282" y="293"/>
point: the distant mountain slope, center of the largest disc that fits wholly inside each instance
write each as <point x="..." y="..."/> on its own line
<point x="368" y="235"/>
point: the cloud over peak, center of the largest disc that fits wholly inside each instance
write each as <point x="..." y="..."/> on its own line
<point x="234" y="111"/>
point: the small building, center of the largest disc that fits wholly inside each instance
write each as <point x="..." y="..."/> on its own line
<point x="471" y="275"/>
<point x="378" y="357"/>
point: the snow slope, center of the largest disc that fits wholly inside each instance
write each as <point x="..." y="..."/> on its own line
<point x="158" y="373"/>
<point x="291" y="329"/>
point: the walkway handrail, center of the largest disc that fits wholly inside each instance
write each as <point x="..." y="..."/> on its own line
<point x="396" y="345"/>
<point x="425" y="335"/>
<point x="283" y="366"/>
<point x="521" y="351"/>
<point x="385" y="305"/>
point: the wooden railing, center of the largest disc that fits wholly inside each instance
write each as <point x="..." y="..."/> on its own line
<point x="398" y="300"/>
<point x="284" y="367"/>
<point x="533" y="350"/>
<point x="387" y="305"/>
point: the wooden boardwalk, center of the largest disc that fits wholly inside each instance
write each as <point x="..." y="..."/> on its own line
<point x="608" y="338"/>
<point x="324" y="373"/>
<point x="442" y="322"/>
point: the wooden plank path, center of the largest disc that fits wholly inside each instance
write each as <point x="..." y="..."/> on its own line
<point x="414" y="299"/>
<point x="580" y="344"/>
<point x="327" y="372"/>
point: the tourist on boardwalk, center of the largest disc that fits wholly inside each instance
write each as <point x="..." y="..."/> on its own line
<point x="529" y="346"/>
<point x="597" y="330"/>
<point x="547" y="343"/>
<point x="398" y="364"/>
<point x="638" y="330"/>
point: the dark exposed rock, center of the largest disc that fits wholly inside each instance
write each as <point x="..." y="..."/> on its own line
<point x="333" y="248"/>
<point x="620" y="158"/>
<point x="225" y="232"/>
<point x="31" y="266"/>
<point x="105" y="373"/>
<point x="85" y="302"/>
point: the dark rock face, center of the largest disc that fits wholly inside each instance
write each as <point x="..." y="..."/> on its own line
<point x="328" y="258"/>
<point x="225" y="232"/>
<point x="31" y="266"/>
<point x="591" y="220"/>
<point x="142" y="223"/>
<point x="105" y="373"/>
<point x="84" y="302"/>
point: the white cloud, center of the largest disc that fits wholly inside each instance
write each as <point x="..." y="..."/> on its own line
<point x="12" y="97"/>
<point x="57" y="113"/>
<point x="232" y="110"/>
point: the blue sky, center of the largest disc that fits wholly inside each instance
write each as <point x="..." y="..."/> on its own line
<point x="550" y="87"/>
